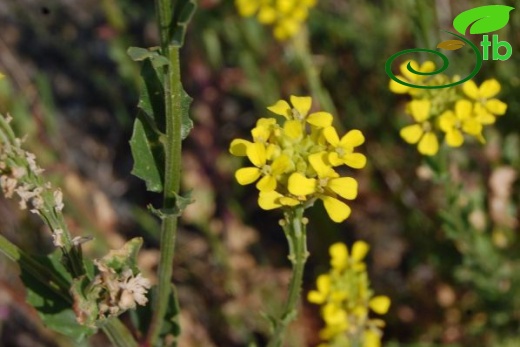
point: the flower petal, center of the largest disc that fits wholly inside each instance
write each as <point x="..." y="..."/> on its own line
<point x="470" y="89"/>
<point x="257" y="154"/>
<point x="353" y="138"/>
<point x="346" y="187"/>
<point x="266" y="184"/>
<point x="372" y="338"/>
<point x="398" y="88"/>
<point x="454" y="138"/>
<point x="420" y="109"/>
<point x="337" y="210"/>
<point x="447" y="121"/>
<point x="496" y="106"/>
<point x="338" y="256"/>
<point x="463" y="109"/>
<point x="472" y="127"/>
<point x="317" y="161"/>
<point x="320" y="119"/>
<point x="355" y="160"/>
<point x="247" y="8"/>
<point x="319" y="296"/>
<point x="407" y="73"/>
<point x="429" y="144"/>
<point x="379" y="304"/>
<point x="412" y="133"/>
<point x="359" y="250"/>
<point x="334" y="159"/>
<point x="331" y="136"/>
<point x="333" y="314"/>
<point x="280" y="165"/>
<point x="238" y="147"/>
<point x="300" y="185"/>
<point x="302" y="104"/>
<point x="293" y="129"/>
<point x="281" y="108"/>
<point x="247" y="175"/>
<point x="269" y="200"/>
<point x="267" y="15"/>
<point x="288" y="201"/>
<point x="489" y="88"/>
<point x="427" y="66"/>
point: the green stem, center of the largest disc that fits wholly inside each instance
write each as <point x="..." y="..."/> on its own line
<point x="172" y="175"/>
<point x="118" y="334"/>
<point x="295" y="232"/>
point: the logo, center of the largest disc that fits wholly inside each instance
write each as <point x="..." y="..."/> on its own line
<point x="480" y="21"/>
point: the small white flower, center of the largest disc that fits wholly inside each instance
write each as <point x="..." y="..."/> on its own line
<point x="137" y="287"/>
<point x="8" y="185"/>
<point x="18" y="172"/>
<point x="57" y="238"/>
<point x="58" y="200"/>
<point x="31" y="160"/>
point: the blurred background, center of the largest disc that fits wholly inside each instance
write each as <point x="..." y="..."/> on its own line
<point x="72" y="90"/>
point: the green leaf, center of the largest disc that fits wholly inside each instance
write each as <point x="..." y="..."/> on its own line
<point x="151" y="98"/>
<point x="182" y="14"/>
<point x="483" y="19"/>
<point x="140" y="54"/>
<point x="181" y="202"/>
<point x="124" y="257"/>
<point x="187" y="123"/>
<point x="54" y="309"/>
<point x="148" y="154"/>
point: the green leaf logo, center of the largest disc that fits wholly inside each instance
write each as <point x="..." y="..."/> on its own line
<point x="483" y="19"/>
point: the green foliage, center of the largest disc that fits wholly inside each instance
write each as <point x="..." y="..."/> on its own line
<point x="53" y="304"/>
<point x="182" y="14"/>
<point x="148" y="137"/>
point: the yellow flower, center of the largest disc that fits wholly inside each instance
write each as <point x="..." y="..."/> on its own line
<point x="286" y="16"/>
<point x="407" y="76"/>
<point x="341" y="260"/>
<point x="486" y="105"/>
<point x="290" y="160"/>
<point x="269" y="200"/>
<point x="462" y="120"/>
<point x="343" y="149"/>
<point x="372" y="338"/>
<point x="320" y="296"/>
<point x="326" y="188"/>
<point x="379" y="304"/>
<point x="258" y="154"/>
<point x="300" y="110"/>
<point x="422" y="132"/>
<point x="346" y="298"/>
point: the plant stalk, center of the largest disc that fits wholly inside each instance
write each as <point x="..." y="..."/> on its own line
<point x="295" y="231"/>
<point x="118" y="334"/>
<point x="172" y="175"/>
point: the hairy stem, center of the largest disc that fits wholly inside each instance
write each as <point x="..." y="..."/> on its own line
<point x="295" y="232"/>
<point x="172" y="175"/>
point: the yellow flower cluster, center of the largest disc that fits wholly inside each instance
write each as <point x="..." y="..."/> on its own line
<point x="454" y="112"/>
<point x="346" y="298"/>
<point x="286" y="16"/>
<point x="294" y="163"/>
